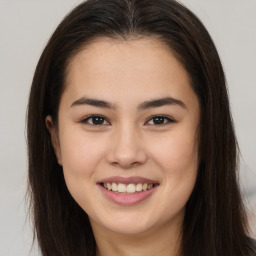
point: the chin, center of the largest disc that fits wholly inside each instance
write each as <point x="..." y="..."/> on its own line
<point x="128" y="228"/>
<point x="126" y="224"/>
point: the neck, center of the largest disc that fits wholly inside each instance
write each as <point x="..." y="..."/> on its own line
<point x="162" y="242"/>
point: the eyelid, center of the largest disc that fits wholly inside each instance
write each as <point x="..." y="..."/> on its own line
<point x="85" y="120"/>
<point x="168" y="118"/>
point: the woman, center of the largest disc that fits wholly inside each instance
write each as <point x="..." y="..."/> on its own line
<point x="131" y="144"/>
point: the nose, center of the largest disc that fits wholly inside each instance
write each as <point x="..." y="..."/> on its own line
<point x="126" y="150"/>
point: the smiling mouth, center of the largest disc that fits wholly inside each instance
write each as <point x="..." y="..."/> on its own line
<point x="131" y="188"/>
<point x="127" y="191"/>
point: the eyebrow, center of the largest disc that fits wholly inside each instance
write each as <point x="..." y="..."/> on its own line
<point x="93" y="102"/>
<point x="144" y="105"/>
<point x="161" y="102"/>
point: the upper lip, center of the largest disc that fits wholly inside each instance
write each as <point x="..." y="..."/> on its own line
<point x="128" y="180"/>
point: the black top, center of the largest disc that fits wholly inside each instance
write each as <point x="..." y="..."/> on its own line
<point x="253" y="244"/>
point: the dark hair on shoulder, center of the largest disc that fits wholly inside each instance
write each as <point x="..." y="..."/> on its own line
<point x="215" y="221"/>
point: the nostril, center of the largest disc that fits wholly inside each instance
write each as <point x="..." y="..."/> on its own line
<point x="126" y="155"/>
<point x="125" y="164"/>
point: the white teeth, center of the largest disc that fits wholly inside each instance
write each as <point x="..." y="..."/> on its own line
<point x="145" y="186"/>
<point x="114" y="187"/>
<point x="108" y="186"/>
<point x="150" y="186"/>
<point x="139" y="187"/>
<point x="121" y="188"/>
<point x="129" y="189"/>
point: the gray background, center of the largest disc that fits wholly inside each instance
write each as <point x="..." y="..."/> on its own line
<point x="25" y="27"/>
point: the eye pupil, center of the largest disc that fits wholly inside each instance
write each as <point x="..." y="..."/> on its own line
<point x="158" y="120"/>
<point x="97" y="120"/>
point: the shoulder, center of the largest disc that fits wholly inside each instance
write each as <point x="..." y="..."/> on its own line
<point x="252" y="243"/>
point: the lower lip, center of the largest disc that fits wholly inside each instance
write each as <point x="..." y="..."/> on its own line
<point x="127" y="199"/>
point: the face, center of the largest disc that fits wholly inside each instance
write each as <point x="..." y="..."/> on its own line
<point x="127" y="135"/>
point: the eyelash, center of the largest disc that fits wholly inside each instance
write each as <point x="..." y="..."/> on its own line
<point x="167" y="120"/>
<point x="91" y="117"/>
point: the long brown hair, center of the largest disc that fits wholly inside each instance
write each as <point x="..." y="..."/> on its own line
<point x="215" y="220"/>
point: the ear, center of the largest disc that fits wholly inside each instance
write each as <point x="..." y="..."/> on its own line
<point x="54" y="137"/>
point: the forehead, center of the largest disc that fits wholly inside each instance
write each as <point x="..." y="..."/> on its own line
<point x="116" y="67"/>
<point x="134" y="55"/>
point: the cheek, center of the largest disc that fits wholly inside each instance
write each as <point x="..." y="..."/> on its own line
<point x="176" y="154"/>
<point x="81" y="154"/>
<point x="81" y="157"/>
<point x="177" y="157"/>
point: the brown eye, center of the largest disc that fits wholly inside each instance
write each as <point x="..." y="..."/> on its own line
<point x="96" y="120"/>
<point x="160" y="120"/>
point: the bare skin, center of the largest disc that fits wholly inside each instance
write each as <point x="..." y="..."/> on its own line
<point x="161" y="242"/>
<point x="124" y="138"/>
